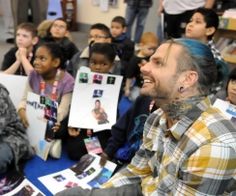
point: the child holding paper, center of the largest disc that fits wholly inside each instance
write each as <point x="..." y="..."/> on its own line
<point x="102" y="56"/>
<point x="53" y="84"/>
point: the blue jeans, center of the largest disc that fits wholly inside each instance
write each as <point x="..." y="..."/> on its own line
<point x="6" y="157"/>
<point x="141" y="15"/>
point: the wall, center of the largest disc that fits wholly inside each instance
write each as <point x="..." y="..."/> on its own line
<point x="88" y="14"/>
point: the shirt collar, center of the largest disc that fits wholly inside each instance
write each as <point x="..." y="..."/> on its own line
<point x="179" y="128"/>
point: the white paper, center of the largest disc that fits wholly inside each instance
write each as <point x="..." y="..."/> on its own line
<point x="15" y="85"/>
<point x="92" y="176"/>
<point x="229" y="110"/>
<point x="15" y="184"/>
<point x="37" y="125"/>
<point x="104" y="5"/>
<point x="84" y="98"/>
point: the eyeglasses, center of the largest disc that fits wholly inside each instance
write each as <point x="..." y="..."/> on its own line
<point x="59" y="26"/>
<point x="98" y="37"/>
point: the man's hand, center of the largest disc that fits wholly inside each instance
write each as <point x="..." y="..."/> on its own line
<point x="104" y="158"/>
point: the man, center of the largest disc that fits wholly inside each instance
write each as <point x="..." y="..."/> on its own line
<point x="188" y="145"/>
<point x="136" y="9"/>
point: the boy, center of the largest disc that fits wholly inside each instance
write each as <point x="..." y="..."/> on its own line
<point x="98" y="33"/>
<point x="19" y="60"/>
<point x="202" y="26"/>
<point x="124" y="46"/>
<point x="102" y="56"/>
<point x="147" y="47"/>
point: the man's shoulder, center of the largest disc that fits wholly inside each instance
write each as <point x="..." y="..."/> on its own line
<point x="214" y="124"/>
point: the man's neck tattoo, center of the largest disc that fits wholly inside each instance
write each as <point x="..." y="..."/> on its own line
<point x="178" y="108"/>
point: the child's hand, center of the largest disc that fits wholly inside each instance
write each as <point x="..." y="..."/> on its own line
<point x="22" y="52"/>
<point x="56" y="127"/>
<point x="17" y="54"/>
<point x="23" y="117"/>
<point x="74" y="132"/>
<point x="127" y="92"/>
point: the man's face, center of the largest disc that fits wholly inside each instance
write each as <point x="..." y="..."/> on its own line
<point x="98" y="36"/>
<point x="196" y="28"/>
<point x="116" y="29"/>
<point x="159" y="74"/>
<point x="24" y="39"/>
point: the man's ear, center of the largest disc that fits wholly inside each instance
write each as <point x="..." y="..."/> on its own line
<point x="190" y="78"/>
<point x="210" y="31"/>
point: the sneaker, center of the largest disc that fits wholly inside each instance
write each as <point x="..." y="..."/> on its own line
<point x="55" y="149"/>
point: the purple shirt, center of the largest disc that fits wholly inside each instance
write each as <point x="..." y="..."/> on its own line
<point x="65" y="85"/>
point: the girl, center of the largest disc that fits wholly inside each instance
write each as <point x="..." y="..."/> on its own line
<point x="58" y="32"/>
<point x="51" y="81"/>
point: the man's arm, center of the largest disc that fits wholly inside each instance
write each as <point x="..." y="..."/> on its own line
<point x="208" y="171"/>
<point x="134" y="172"/>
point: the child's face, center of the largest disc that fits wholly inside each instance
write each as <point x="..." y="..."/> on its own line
<point x="99" y="63"/>
<point x="98" y="36"/>
<point x="24" y="39"/>
<point x="231" y="91"/>
<point x="44" y="63"/>
<point x="148" y="49"/>
<point x="58" y="29"/>
<point x="196" y="28"/>
<point x="116" y="29"/>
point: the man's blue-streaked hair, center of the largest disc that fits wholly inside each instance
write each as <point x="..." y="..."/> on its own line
<point x="197" y="56"/>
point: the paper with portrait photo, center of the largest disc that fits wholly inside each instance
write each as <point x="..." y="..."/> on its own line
<point x="37" y="125"/>
<point x="87" y="173"/>
<point x="94" y="101"/>
<point x="229" y="110"/>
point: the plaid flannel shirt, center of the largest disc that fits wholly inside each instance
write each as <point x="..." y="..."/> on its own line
<point x="214" y="50"/>
<point x="196" y="156"/>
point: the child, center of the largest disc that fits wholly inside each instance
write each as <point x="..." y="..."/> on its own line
<point x="50" y="80"/>
<point x="58" y="32"/>
<point x="127" y="132"/>
<point x="231" y="87"/>
<point x="147" y="47"/>
<point x="202" y="26"/>
<point x="102" y="56"/>
<point x="124" y="46"/>
<point x="98" y="33"/>
<point x="18" y="60"/>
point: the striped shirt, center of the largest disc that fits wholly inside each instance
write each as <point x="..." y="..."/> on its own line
<point x="196" y="156"/>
